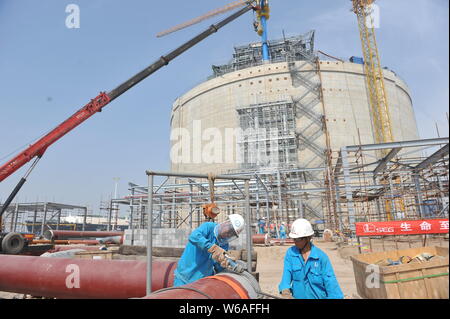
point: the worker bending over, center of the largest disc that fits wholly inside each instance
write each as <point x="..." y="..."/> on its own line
<point x="204" y="254"/>
<point x="307" y="272"/>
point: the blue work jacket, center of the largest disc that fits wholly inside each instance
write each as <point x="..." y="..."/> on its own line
<point x="313" y="279"/>
<point x="196" y="262"/>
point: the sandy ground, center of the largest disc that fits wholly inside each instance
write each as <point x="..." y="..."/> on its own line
<point x="270" y="268"/>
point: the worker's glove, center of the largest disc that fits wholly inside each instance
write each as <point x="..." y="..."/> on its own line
<point x="217" y="253"/>
<point x="226" y="261"/>
<point x="286" y="294"/>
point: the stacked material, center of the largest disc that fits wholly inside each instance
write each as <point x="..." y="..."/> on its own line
<point x="419" y="258"/>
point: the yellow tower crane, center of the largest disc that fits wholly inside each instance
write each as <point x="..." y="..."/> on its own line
<point x="374" y="73"/>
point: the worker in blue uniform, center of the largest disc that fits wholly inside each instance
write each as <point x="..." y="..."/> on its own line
<point x="282" y="230"/>
<point x="307" y="272"/>
<point x="262" y="225"/>
<point x="204" y="254"/>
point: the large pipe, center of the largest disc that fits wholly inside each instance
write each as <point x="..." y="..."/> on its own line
<point x="66" y="242"/>
<point x="261" y="239"/>
<point x="81" y="278"/>
<point x="278" y="241"/>
<point x="110" y="240"/>
<point x="52" y="234"/>
<point x="68" y="247"/>
<point x="225" y="285"/>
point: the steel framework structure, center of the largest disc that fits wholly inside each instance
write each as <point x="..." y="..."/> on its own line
<point x="19" y="216"/>
<point x="401" y="185"/>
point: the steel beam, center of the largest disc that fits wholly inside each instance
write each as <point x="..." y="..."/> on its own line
<point x="193" y="175"/>
<point x="383" y="163"/>
<point x="66" y="234"/>
<point x="403" y="144"/>
<point x="441" y="153"/>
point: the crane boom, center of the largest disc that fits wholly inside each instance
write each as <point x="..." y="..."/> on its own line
<point x="210" y="14"/>
<point x="374" y="74"/>
<point x="37" y="149"/>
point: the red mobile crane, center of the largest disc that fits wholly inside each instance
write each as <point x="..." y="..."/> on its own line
<point x="13" y="243"/>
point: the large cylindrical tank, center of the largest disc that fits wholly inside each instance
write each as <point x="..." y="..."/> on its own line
<point x="207" y="112"/>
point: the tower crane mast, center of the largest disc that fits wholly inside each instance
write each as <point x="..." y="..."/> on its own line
<point x="378" y="100"/>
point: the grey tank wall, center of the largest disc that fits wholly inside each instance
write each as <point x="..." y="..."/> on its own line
<point x="345" y="105"/>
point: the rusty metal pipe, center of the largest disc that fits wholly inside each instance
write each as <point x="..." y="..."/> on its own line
<point x="278" y="241"/>
<point x="68" y="247"/>
<point x="52" y="234"/>
<point x="96" y="279"/>
<point x="261" y="239"/>
<point x="66" y="242"/>
<point x="225" y="285"/>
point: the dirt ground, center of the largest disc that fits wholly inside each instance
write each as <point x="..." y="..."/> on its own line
<point x="270" y="268"/>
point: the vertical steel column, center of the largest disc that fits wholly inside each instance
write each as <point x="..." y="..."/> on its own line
<point x="160" y="212"/>
<point x="34" y="218"/>
<point x="248" y="226"/>
<point x="149" y="233"/>
<point x="393" y="208"/>
<point x="16" y="213"/>
<point x="300" y="205"/>
<point x="419" y="194"/>
<point x="172" y="212"/>
<point x="59" y="219"/>
<point x="44" y="219"/>
<point x="348" y="189"/>
<point x="190" y="206"/>
<point x="109" y="215"/>
<point x="338" y="204"/>
<point x="132" y="216"/>
<point x="280" y="204"/>
<point x="377" y="201"/>
<point x="257" y="201"/>
<point x="84" y="217"/>
<point x="141" y="214"/>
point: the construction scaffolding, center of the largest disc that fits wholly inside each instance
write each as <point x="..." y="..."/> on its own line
<point x="38" y="217"/>
<point x="278" y="195"/>
<point x="268" y="135"/>
<point x="296" y="48"/>
<point x="403" y="185"/>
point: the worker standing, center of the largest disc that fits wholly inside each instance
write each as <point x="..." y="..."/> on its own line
<point x="307" y="272"/>
<point x="283" y="231"/>
<point x="262" y="225"/>
<point x="204" y="254"/>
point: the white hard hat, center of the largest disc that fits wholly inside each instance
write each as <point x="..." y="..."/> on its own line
<point x="301" y="228"/>
<point x="230" y="229"/>
<point x="238" y="223"/>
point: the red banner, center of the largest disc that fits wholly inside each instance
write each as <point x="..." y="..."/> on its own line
<point x="402" y="227"/>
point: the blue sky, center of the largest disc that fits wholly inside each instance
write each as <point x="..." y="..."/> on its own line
<point x="48" y="71"/>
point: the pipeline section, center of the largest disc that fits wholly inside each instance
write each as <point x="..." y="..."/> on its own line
<point x="225" y="285"/>
<point x="52" y="234"/>
<point x="114" y="279"/>
<point x="81" y="278"/>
